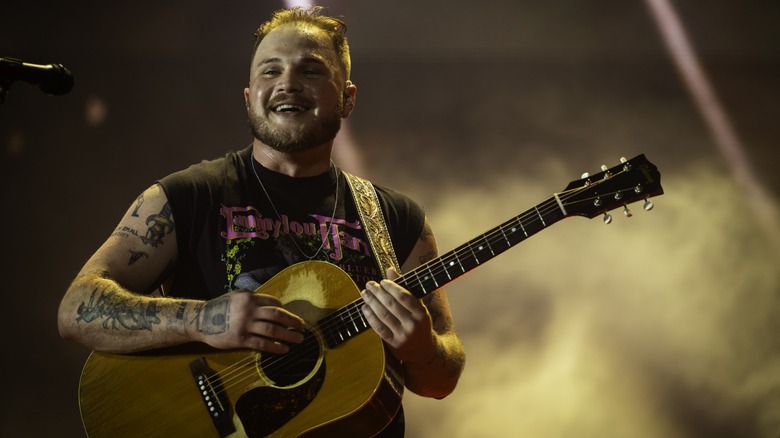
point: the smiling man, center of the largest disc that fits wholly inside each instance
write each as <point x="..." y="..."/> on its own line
<point x="228" y="227"/>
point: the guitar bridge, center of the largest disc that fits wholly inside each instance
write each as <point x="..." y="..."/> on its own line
<point x="214" y="396"/>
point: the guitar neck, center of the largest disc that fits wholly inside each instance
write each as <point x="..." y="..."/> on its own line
<point x="629" y="181"/>
<point x="348" y="321"/>
<point x="438" y="272"/>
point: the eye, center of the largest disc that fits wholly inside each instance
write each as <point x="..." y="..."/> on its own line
<point x="312" y="72"/>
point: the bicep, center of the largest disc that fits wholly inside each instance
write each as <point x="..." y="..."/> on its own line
<point x="425" y="250"/>
<point x="142" y="247"/>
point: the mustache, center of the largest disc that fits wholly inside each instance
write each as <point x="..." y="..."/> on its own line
<point x="289" y="98"/>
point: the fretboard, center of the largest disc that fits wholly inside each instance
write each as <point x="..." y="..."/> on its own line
<point x="348" y="321"/>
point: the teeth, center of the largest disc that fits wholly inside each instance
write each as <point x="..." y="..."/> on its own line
<point x="287" y="107"/>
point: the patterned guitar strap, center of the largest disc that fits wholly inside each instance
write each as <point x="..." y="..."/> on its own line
<point x="373" y="222"/>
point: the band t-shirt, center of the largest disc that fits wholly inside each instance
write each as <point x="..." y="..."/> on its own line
<point x="238" y="224"/>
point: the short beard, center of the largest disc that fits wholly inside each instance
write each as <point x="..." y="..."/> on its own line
<point x="299" y="140"/>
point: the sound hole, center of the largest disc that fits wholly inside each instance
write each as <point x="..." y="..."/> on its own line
<point x="294" y="366"/>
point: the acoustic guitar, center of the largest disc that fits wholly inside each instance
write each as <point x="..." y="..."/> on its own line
<point x="340" y="381"/>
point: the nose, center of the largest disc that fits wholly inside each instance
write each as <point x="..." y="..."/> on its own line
<point x="288" y="82"/>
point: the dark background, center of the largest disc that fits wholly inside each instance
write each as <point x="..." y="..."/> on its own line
<point x="664" y="324"/>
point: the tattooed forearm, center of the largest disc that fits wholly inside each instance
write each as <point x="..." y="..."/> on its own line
<point x="212" y="318"/>
<point x="180" y="311"/>
<point x="117" y="312"/>
<point x="441" y="323"/>
<point x="176" y="321"/>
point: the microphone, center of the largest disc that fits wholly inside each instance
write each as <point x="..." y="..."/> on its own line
<point x="52" y="79"/>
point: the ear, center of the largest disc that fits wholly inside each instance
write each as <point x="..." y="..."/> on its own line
<point x="350" y="93"/>
<point x="246" y="96"/>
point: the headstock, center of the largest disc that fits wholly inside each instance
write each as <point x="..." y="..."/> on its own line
<point x="630" y="181"/>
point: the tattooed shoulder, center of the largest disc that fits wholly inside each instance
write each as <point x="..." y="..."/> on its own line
<point x="427" y="233"/>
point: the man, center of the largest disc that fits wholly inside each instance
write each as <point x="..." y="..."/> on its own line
<point x="203" y="238"/>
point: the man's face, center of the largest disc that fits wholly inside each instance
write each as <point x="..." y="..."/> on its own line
<point x="295" y="99"/>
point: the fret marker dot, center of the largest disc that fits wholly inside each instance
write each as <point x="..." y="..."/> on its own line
<point x="452" y="263"/>
<point x="514" y="229"/>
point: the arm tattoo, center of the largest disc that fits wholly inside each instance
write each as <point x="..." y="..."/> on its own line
<point x="136" y="255"/>
<point x="117" y="312"/>
<point x="425" y="258"/>
<point x="215" y="316"/>
<point x="426" y="233"/>
<point x="138" y="204"/>
<point x="123" y="231"/>
<point x="180" y="310"/>
<point x="441" y="323"/>
<point x="160" y="224"/>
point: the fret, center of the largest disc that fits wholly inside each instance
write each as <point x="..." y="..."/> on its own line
<point x="540" y="216"/>
<point x="345" y="325"/>
<point x="354" y="324"/>
<point x="449" y="277"/>
<point x="422" y="286"/>
<point x="476" y="258"/>
<point x="519" y="221"/>
<point x="560" y="204"/>
<point x="459" y="263"/>
<point x="433" y="277"/>
<point x="492" y="253"/>
<point x="503" y="233"/>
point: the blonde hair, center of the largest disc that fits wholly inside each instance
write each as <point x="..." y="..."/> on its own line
<point x="316" y="17"/>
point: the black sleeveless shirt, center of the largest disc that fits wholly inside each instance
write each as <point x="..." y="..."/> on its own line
<point x="234" y="232"/>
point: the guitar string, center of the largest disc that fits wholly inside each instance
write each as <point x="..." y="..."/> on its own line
<point x="353" y="308"/>
<point x="497" y="235"/>
<point x="350" y="310"/>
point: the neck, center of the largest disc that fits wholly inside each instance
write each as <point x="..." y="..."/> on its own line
<point x="310" y="162"/>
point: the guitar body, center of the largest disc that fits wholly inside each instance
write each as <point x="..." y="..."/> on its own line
<point x="314" y="390"/>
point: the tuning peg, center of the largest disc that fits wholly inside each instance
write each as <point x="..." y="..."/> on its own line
<point x="648" y="205"/>
<point x="585" y="175"/>
<point x="607" y="218"/>
<point x="627" y="212"/>
<point x="607" y="173"/>
<point x="623" y="160"/>
<point x="626" y="164"/>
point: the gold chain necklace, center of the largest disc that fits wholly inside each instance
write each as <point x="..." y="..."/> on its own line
<point x="332" y="216"/>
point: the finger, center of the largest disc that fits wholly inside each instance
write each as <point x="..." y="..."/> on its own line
<point x="260" y="343"/>
<point x="384" y="302"/>
<point x="275" y="332"/>
<point x="402" y="297"/>
<point x="279" y="316"/>
<point x="374" y="321"/>
<point x="391" y="273"/>
<point x="266" y="300"/>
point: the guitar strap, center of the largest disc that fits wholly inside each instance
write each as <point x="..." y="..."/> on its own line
<point x="373" y="222"/>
